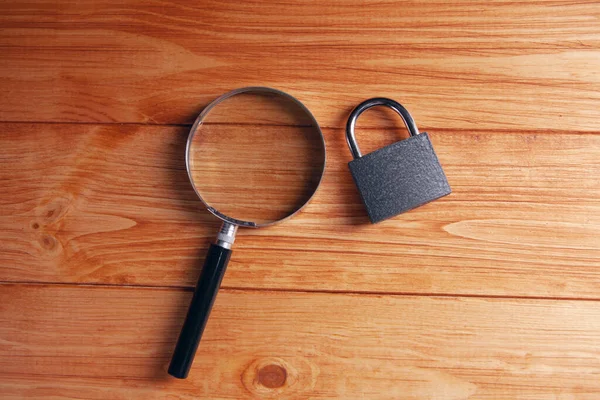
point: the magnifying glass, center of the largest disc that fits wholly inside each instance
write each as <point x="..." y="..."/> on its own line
<point x="257" y="161"/>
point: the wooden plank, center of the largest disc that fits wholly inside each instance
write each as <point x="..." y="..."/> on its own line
<point x="112" y="204"/>
<point x="93" y="342"/>
<point x="459" y="65"/>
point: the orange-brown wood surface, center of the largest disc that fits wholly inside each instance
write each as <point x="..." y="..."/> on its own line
<point x="490" y="293"/>
<point x="99" y="342"/>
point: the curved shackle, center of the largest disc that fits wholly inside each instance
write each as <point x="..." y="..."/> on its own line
<point x="364" y="106"/>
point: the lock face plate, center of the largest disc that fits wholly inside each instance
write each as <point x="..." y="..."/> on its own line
<point x="399" y="177"/>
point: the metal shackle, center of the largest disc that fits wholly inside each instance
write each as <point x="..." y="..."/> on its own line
<point x="364" y="106"/>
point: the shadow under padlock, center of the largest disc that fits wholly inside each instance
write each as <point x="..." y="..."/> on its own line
<point x="398" y="177"/>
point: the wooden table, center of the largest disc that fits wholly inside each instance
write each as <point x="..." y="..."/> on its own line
<point x="490" y="293"/>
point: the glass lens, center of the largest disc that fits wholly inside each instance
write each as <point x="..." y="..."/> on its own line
<point x="256" y="157"/>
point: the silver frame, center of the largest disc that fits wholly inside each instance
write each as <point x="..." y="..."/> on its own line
<point x="228" y="230"/>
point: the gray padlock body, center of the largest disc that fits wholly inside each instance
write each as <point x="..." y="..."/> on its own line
<point x="399" y="177"/>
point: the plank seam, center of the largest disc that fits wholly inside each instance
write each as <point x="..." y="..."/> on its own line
<point x="316" y="291"/>
<point x="422" y="127"/>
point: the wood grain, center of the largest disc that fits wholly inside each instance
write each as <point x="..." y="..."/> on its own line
<point x="95" y="342"/>
<point x="112" y="204"/>
<point x="459" y="65"/>
<point x="490" y="293"/>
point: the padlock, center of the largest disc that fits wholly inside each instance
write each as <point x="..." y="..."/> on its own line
<point x="398" y="177"/>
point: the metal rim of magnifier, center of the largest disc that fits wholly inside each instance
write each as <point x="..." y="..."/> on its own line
<point x="199" y="121"/>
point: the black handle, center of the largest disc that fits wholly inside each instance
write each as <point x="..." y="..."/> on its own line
<point x="197" y="316"/>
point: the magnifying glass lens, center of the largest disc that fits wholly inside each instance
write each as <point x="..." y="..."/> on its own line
<point x="257" y="157"/>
